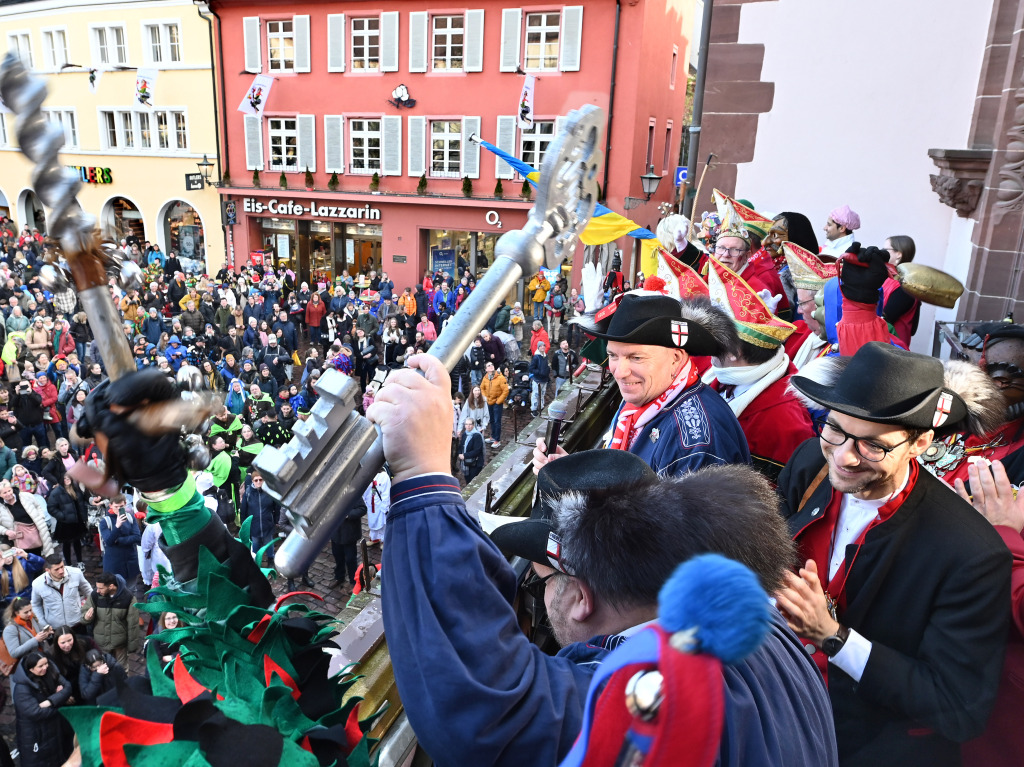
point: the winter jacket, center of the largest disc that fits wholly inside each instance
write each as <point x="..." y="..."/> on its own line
<point x="494" y="389"/>
<point x="539" y="287"/>
<point x="36" y="508"/>
<point x="28" y="407"/>
<point x="115" y="619"/>
<point x="193" y="319"/>
<point x="60" y="607"/>
<point x="71" y="514"/>
<point x="119" y="555"/>
<point x="93" y="684"/>
<point x="19" y="640"/>
<point x="263" y="509"/>
<point x="7" y="461"/>
<point x="538" y="337"/>
<point x="540" y="370"/>
<point x="41" y="735"/>
<point x="38" y="340"/>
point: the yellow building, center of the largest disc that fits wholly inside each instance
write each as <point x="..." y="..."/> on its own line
<point x="138" y="161"/>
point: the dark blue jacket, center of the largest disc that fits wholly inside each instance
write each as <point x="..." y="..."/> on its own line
<point x="289" y="336"/>
<point x="697" y="429"/>
<point x="263" y="509"/>
<point x="540" y="370"/>
<point x="119" y="554"/>
<point x="478" y="692"/>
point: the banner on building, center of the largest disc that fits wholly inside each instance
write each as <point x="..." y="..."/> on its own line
<point x="94" y="80"/>
<point x="256" y="97"/>
<point x="144" y="82"/>
<point x="524" y="117"/>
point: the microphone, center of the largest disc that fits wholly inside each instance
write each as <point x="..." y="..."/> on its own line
<point x="557" y="411"/>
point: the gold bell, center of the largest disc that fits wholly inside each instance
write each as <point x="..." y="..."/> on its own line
<point x="644" y="694"/>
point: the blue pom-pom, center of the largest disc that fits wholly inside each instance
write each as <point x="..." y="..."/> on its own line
<point x="722" y="599"/>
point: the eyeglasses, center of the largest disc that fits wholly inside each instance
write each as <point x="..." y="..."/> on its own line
<point x="866" y="447"/>
<point x="535" y="586"/>
<point x="734" y="252"/>
<point x="257" y="479"/>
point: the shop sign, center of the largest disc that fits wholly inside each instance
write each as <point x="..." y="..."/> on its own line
<point x="493" y="218"/>
<point x="230" y="212"/>
<point x="277" y="207"/>
<point x="90" y="175"/>
<point x="444" y="260"/>
<point x="193" y="182"/>
<point x="398" y="259"/>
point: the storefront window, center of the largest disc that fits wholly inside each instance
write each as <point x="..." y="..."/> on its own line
<point x="278" y="238"/>
<point x="123" y="220"/>
<point x="320" y="259"/>
<point x="183" y="233"/>
<point x="454" y="252"/>
<point x="363" y="247"/>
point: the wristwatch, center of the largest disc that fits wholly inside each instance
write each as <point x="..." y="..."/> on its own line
<point x="833" y="644"/>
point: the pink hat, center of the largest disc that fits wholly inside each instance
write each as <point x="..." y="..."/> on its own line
<point x="844" y="216"/>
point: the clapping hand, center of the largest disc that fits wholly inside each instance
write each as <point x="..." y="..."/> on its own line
<point x="993" y="495"/>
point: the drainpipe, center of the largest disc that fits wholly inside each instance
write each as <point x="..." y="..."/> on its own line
<point x="213" y="78"/>
<point x="611" y="99"/>
<point x="698" y="110"/>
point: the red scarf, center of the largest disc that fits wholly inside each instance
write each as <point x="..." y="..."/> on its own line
<point x="632" y="418"/>
<point x="25" y="624"/>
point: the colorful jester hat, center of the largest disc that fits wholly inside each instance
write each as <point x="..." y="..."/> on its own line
<point x="249" y="687"/>
<point x="754" y="321"/>
<point x="740" y="214"/>
<point x="809" y="272"/>
<point x="680" y="280"/>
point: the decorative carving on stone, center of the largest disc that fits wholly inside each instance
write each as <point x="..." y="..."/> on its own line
<point x="961" y="177"/>
<point x="961" y="195"/>
<point x="1010" y="192"/>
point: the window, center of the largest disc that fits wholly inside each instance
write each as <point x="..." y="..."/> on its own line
<point x="281" y="46"/>
<point x="542" y="40"/>
<point x="365" y="145"/>
<point x="448" y="42"/>
<point x="65" y="118"/>
<point x="110" y="45"/>
<point x="20" y="44"/>
<point x="128" y="129"/>
<point x="164" y="43"/>
<point x="145" y="138"/>
<point x="163" y="138"/>
<point x="110" y="129"/>
<point x="180" y="132"/>
<point x="650" y="145"/>
<point x="366" y="44"/>
<point x="284" y="144"/>
<point x="3" y="131"/>
<point x="667" y="159"/>
<point x="55" y="48"/>
<point x="534" y="142"/>
<point x="672" y="70"/>
<point x="446" y="148"/>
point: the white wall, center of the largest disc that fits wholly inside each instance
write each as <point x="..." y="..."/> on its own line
<point x="863" y="89"/>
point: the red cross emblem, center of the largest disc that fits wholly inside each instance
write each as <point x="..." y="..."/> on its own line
<point x="554" y="548"/>
<point x="680" y="332"/>
<point x="942" y="409"/>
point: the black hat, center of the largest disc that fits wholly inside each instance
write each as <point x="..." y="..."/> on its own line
<point x="885" y="384"/>
<point x="653" y="319"/>
<point x="536" y="539"/>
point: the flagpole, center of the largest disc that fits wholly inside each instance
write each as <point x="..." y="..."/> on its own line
<point x="696" y="196"/>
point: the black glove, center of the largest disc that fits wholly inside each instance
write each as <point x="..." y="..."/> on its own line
<point x="147" y="463"/>
<point x="862" y="272"/>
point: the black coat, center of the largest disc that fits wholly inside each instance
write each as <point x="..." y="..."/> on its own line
<point x="72" y="514"/>
<point x="43" y="737"/>
<point x="351" y="528"/>
<point x="930" y="589"/>
<point x="473" y="450"/>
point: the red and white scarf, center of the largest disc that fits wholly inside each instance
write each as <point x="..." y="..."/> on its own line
<point x="633" y="418"/>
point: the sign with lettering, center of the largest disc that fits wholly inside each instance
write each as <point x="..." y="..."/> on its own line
<point x="276" y="207"/>
<point x="399" y="259"/>
<point x="193" y="182"/>
<point x="92" y="175"/>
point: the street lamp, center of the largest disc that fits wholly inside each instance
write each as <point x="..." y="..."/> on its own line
<point x="650" y="181"/>
<point x="205" y="167"/>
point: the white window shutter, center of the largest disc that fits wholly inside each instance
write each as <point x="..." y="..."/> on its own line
<point x="389" y="41"/>
<point x="307" y="143"/>
<point x="336" y="42"/>
<point x="300" y="27"/>
<point x="391" y="146"/>
<point x="505" y="140"/>
<point x="252" y="44"/>
<point x="572" y="37"/>
<point x="418" y="41"/>
<point x="334" y="144"/>
<point x="253" y="142"/>
<point x="470" y="149"/>
<point x="417" y="146"/>
<point x="474" y="40"/>
<point x="511" y="28"/>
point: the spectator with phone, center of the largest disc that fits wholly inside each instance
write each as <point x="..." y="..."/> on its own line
<point x="23" y="632"/>
<point x="120" y="534"/>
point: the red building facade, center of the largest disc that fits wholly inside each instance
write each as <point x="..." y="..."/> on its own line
<point x="396" y="90"/>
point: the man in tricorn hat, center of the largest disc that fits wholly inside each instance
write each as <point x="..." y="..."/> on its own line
<point x="667" y="417"/>
<point x="903" y="598"/>
<point x="604" y="536"/>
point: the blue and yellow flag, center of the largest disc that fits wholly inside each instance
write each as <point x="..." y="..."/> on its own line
<point x="605" y="225"/>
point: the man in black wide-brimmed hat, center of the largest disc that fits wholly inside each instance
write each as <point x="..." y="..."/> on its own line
<point x="668" y="417"/>
<point x="903" y="598"/>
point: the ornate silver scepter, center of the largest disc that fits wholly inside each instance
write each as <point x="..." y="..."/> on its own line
<point x="336" y="452"/>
